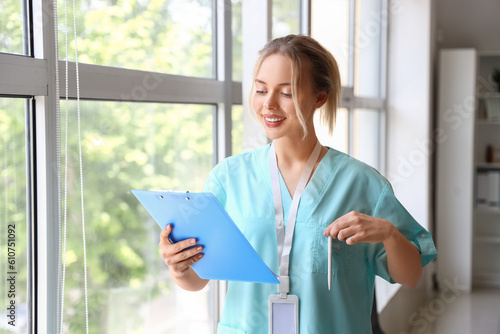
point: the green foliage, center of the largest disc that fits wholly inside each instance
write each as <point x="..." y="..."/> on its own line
<point x="11" y="26"/>
<point x="13" y="197"/>
<point x="285" y="17"/>
<point x="130" y="146"/>
<point x="170" y="36"/>
<point x="126" y="146"/>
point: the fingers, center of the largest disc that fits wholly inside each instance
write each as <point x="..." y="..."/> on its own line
<point x="165" y="234"/>
<point x="355" y="227"/>
<point x="172" y="248"/>
<point x="181" y="255"/>
<point x="180" y="262"/>
<point x="342" y="223"/>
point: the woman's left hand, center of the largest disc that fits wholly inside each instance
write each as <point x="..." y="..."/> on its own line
<point x="355" y="227"/>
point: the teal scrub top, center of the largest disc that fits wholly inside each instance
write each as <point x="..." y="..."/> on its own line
<point x="340" y="184"/>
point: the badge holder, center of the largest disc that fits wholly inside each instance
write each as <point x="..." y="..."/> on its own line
<point x="283" y="314"/>
<point x="283" y="311"/>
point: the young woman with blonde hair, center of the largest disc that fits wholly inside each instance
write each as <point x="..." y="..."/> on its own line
<point x="290" y="196"/>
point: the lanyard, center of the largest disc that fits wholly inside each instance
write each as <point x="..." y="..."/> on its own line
<point x="285" y="239"/>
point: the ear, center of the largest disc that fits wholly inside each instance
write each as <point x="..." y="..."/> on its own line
<point x="321" y="99"/>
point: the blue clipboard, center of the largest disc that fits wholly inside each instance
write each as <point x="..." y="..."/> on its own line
<point x="227" y="253"/>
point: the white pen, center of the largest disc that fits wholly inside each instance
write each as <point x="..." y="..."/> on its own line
<point x="329" y="262"/>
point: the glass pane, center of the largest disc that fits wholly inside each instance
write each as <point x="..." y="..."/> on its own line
<point x="13" y="237"/>
<point x="237" y="130"/>
<point x="330" y="26"/>
<point x="170" y="36"/>
<point x="339" y="139"/>
<point x="367" y="136"/>
<point x="367" y="50"/>
<point x="11" y="26"/>
<point x="131" y="146"/>
<point x="286" y="17"/>
<point x="236" y="26"/>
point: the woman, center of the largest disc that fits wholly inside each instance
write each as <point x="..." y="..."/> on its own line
<point x="340" y="198"/>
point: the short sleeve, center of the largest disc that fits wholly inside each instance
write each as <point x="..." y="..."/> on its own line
<point x="214" y="184"/>
<point x="388" y="207"/>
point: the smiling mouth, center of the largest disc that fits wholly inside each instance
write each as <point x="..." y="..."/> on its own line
<point x="273" y="119"/>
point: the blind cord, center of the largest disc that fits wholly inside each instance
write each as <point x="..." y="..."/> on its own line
<point x="60" y="268"/>
<point x="81" y="169"/>
<point x="64" y="231"/>
<point x="64" y="223"/>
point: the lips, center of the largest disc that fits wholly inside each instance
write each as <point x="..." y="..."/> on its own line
<point x="273" y="121"/>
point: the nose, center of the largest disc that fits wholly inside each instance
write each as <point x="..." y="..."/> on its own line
<point x="270" y="102"/>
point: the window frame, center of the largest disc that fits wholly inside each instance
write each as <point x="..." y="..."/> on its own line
<point x="33" y="76"/>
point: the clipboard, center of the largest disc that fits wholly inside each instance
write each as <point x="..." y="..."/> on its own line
<point x="228" y="255"/>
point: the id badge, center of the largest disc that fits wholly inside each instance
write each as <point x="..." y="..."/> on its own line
<point x="283" y="314"/>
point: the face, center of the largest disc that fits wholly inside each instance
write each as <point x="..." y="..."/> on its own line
<point x="273" y="102"/>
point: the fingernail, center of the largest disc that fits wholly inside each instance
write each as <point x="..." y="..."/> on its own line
<point x="168" y="227"/>
<point x="200" y="256"/>
<point x="192" y="241"/>
<point x="199" y="248"/>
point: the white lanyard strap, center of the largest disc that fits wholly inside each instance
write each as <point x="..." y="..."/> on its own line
<point x="285" y="239"/>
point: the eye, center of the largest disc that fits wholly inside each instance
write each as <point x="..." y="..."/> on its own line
<point x="260" y="92"/>
<point x="287" y="94"/>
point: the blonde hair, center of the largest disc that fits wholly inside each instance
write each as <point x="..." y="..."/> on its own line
<point x="324" y="73"/>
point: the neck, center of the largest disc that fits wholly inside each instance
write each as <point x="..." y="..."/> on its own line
<point x="289" y="151"/>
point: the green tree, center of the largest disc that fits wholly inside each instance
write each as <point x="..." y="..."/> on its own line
<point x="11" y="26"/>
<point x="126" y="146"/>
<point x="130" y="146"/>
<point x="13" y="207"/>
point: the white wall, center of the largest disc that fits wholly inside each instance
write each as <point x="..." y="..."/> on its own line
<point x="466" y="23"/>
<point x="409" y="143"/>
<point x="409" y="106"/>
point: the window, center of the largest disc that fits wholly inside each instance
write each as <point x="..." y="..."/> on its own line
<point x="339" y="139"/>
<point x="236" y="29"/>
<point x="286" y="17"/>
<point x="354" y="31"/>
<point x="13" y="230"/>
<point x="237" y="129"/>
<point x="174" y="37"/>
<point x="161" y="63"/>
<point x="368" y="42"/>
<point x="131" y="146"/>
<point x="367" y="135"/>
<point x="330" y="25"/>
<point x="12" y="26"/>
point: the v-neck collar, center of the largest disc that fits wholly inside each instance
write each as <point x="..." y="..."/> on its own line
<point x="314" y="188"/>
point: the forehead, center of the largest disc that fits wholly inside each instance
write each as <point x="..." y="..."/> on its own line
<point x="278" y="67"/>
<point x="275" y="68"/>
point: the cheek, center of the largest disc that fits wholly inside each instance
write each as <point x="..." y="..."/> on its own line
<point x="307" y="109"/>
<point x="257" y="104"/>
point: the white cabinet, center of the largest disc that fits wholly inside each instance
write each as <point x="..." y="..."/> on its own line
<point x="468" y="234"/>
<point x="454" y="137"/>
<point x="486" y="222"/>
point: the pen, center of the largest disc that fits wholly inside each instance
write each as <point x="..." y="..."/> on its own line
<point x="329" y="262"/>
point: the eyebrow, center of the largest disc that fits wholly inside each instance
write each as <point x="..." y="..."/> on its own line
<point x="281" y="84"/>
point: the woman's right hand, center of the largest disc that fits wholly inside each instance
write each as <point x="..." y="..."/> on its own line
<point x="177" y="256"/>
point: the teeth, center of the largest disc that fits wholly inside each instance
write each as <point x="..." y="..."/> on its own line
<point x="274" y="119"/>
